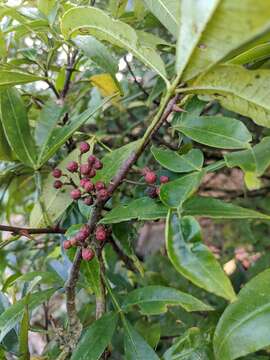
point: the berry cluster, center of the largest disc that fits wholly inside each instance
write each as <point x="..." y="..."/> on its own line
<point x="85" y="189"/>
<point x="80" y="238"/>
<point x="151" y="179"/>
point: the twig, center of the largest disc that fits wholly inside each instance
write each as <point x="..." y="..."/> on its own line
<point x="69" y="71"/>
<point x="122" y="256"/>
<point x="22" y="231"/>
<point x="137" y="82"/>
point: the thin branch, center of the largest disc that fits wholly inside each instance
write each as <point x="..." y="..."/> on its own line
<point x="69" y="71"/>
<point x="137" y="82"/>
<point x="122" y="256"/>
<point x="23" y="231"/>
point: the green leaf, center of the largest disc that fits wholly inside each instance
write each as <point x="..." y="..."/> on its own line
<point x="58" y="136"/>
<point x="5" y="149"/>
<point x="218" y="209"/>
<point x="242" y="328"/>
<point x="175" y="192"/>
<point x="254" y="159"/>
<point x="96" y="338"/>
<point x="93" y="21"/>
<point x="191" y="161"/>
<point x="237" y="89"/>
<point x="167" y="12"/>
<point x="217" y="131"/>
<point x="49" y="116"/>
<point x="233" y="24"/>
<point x="154" y="300"/>
<point x="117" y="7"/>
<point x="192" y="345"/>
<point x="194" y="17"/>
<point x="98" y="53"/>
<point x="46" y="6"/>
<point x="136" y="348"/>
<point x="15" y="123"/>
<point x="12" y="315"/>
<point x="255" y="54"/>
<point x="144" y="208"/>
<point x="10" y="78"/>
<point x="113" y="161"/>
<point x="91" y="271"/>
<point x="193" y="259"/>
<point x="23" y="340"/>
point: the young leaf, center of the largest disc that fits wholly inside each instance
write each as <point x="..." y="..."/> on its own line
<point x="136" y="348"/>
<point x="94" y="341"/>
<point x="153" y="300"/>
<point x="144" y="208"/>
<point x="237" y="89"/>
<point x="5" y="150"/>
<point x="175" y="192"/>
<point x="10" y="78"/>
<point x="93" y="21"/>
<point x="193" y="259"/>
<point x="217" y="131"/>
<point x="194" y="17"/>
<point x="167" y="12"/>
<point x="242" y="329"/>
<point x="218" y="39"/>
<point x="15" y="123"/>
<point x="218" y="209"/>
<point x="191" y="161"/>
<point x="12" y="315"/>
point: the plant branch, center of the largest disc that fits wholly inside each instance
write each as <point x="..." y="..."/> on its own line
<point x="69" y="71"/>
<point x="122" y="256"/>
<point x="22" y="231"/>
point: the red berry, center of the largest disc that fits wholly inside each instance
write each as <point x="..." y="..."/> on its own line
<point x="83" y="181"/>
<point x="57" y="173"/>
<point x="88" y="201"/>
<point x="87" y="254"/>
<point x="98" y="165"/>
<point x="150" y="177"/>
<point x="92" y="173"/>
<point x="164" y="179"/>
<point x="145" y="170"/>
<point x="84" y="147"/>
<point x="103" y="194"/>
<point x="91" y="160"/>
<point x="75" y="194"/>
<point x="152" y="192"/>
<point x="57" y="184"/>
<point x="81" y="236"/>
<point x="86" y="229"/>
<point x="85" y="169"/>
<point x="72" y="166"/>
<point x="100" y="233"/>
<point x="99" y="185"/>
<point x="73" y="241"/>
<point x="66" y="244"/>
<point x="88" y="186"/>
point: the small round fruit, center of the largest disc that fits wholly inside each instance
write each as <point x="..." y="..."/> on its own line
<point x="88" y="201"/>
<point x="75" y="194"/>
<point x="150" y="177"/>
<point x="57" y="184"/>
<point x="85" y="169"/>
<point x="86" y="229"/>
<point x="80" y="236"/>
<point x="102" y="194"/>
<point x="66" y="244"/>
<point x="164" y="179"/>
<point x="72" y="166"/>
<point x="101" y="233"/>
<point x="84" y="147"/>
<point x="98" y="165"/>
<point x="92" y="173"/>
<point x="87" y="254"/>
<point x="152" y="192"/>
<point x="57" y="173"/>
<point x="88" y="186"/>
<point x="91" y="159"/>
<point x="83" y="181"/>
<point x="99" y="185"/>
<point x="73" y="241"/>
